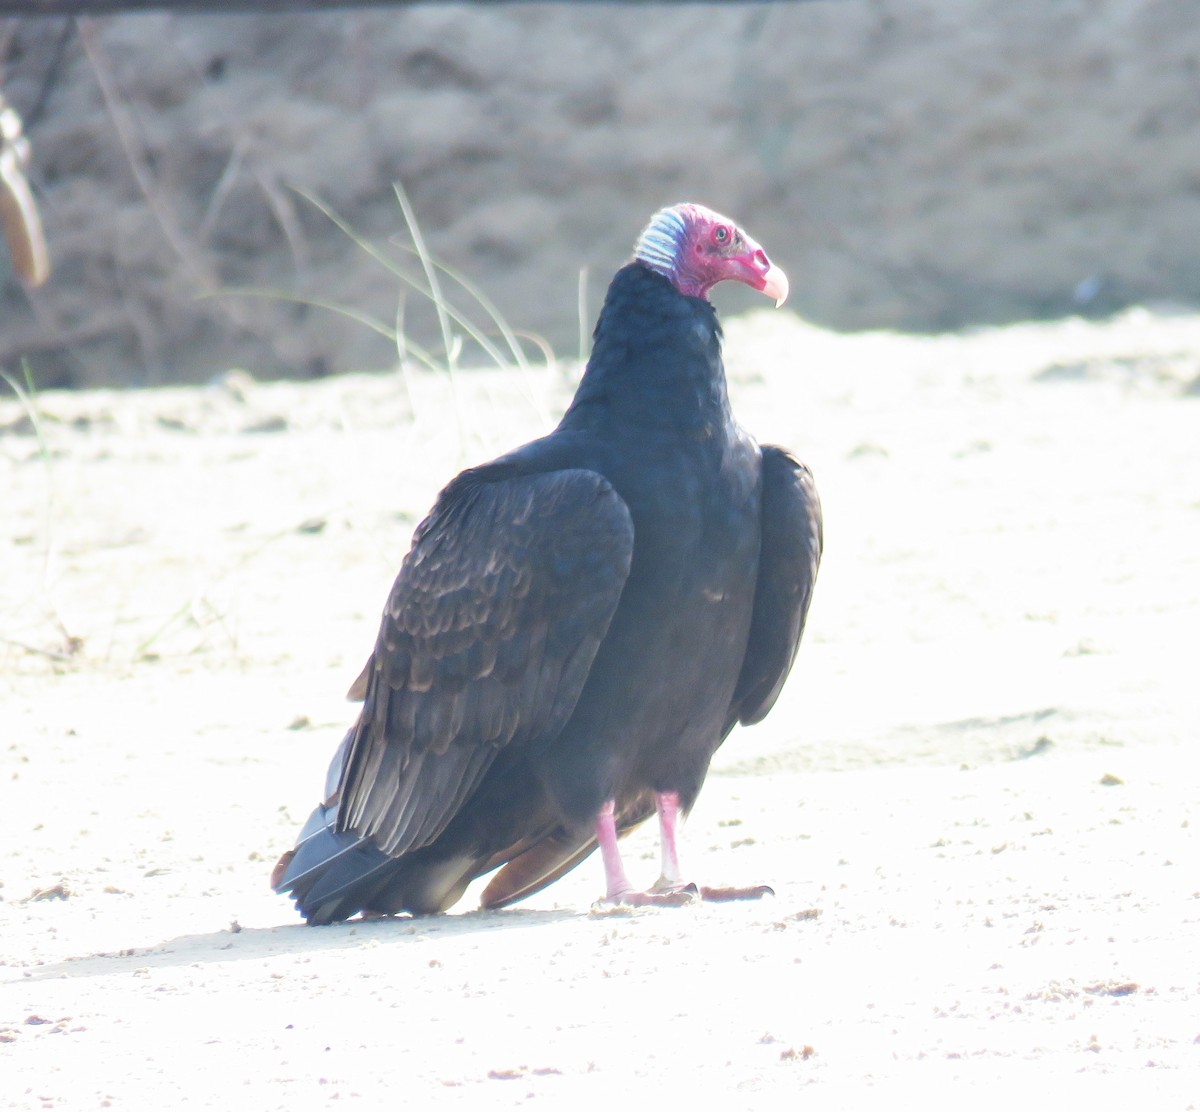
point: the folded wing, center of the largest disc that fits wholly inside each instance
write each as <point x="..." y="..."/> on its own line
<point x="787" y="571"/>
<point x="486" y="642"/>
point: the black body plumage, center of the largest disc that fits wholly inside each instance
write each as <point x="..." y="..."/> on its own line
<point x="583" y="619"/>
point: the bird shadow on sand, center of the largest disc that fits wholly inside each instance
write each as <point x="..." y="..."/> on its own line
<point x="237" y="943"/>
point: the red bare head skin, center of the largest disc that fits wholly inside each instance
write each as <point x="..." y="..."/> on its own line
<point x="696" y="248"/>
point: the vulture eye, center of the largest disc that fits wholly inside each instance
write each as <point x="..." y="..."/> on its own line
<point x="721" y="234"/>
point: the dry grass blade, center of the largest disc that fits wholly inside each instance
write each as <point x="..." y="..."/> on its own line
<point x="431" y="276"/>
<point x="432" y="290"/>
<point x="581" y="311"/>
<point x="26" y="394"/>
<point x="454" y="324"/>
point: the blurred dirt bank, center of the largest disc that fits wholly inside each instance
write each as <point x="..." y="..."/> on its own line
<point x="918" y="165"/>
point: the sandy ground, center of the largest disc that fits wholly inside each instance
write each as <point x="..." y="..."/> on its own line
<point x="977" y="799"/>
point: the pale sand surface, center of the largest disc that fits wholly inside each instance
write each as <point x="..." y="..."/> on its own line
<point x="964" y="911"/>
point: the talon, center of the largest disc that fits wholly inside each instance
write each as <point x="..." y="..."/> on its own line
<point x="664" y="887"/>
<point x="725" y="895"/>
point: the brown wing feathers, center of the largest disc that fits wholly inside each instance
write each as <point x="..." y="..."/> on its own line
<point x="486" y="639"/>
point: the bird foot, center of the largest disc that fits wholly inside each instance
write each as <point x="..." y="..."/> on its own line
<point x="678" y="896"/>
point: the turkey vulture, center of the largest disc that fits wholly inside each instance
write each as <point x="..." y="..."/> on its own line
<point x="579" y="623"/>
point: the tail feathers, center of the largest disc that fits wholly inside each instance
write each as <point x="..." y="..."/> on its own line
<point x="331" y="875"/>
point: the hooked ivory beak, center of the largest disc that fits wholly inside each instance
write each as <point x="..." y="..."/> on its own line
<point x="775" y="284"/>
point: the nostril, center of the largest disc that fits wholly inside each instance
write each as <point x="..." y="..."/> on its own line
<point x="761" y="260"/>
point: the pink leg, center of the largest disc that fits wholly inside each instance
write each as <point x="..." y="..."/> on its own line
<point x="670" y="890"/>
<point x="616" y="883"/>
<point x="618" y="890"/>
<point x="671" y="879"/>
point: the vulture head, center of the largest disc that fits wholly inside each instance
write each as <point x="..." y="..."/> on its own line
<point x="696" y="248"/>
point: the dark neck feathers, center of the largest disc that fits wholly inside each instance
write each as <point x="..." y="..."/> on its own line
<point x="656" y="356"/>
